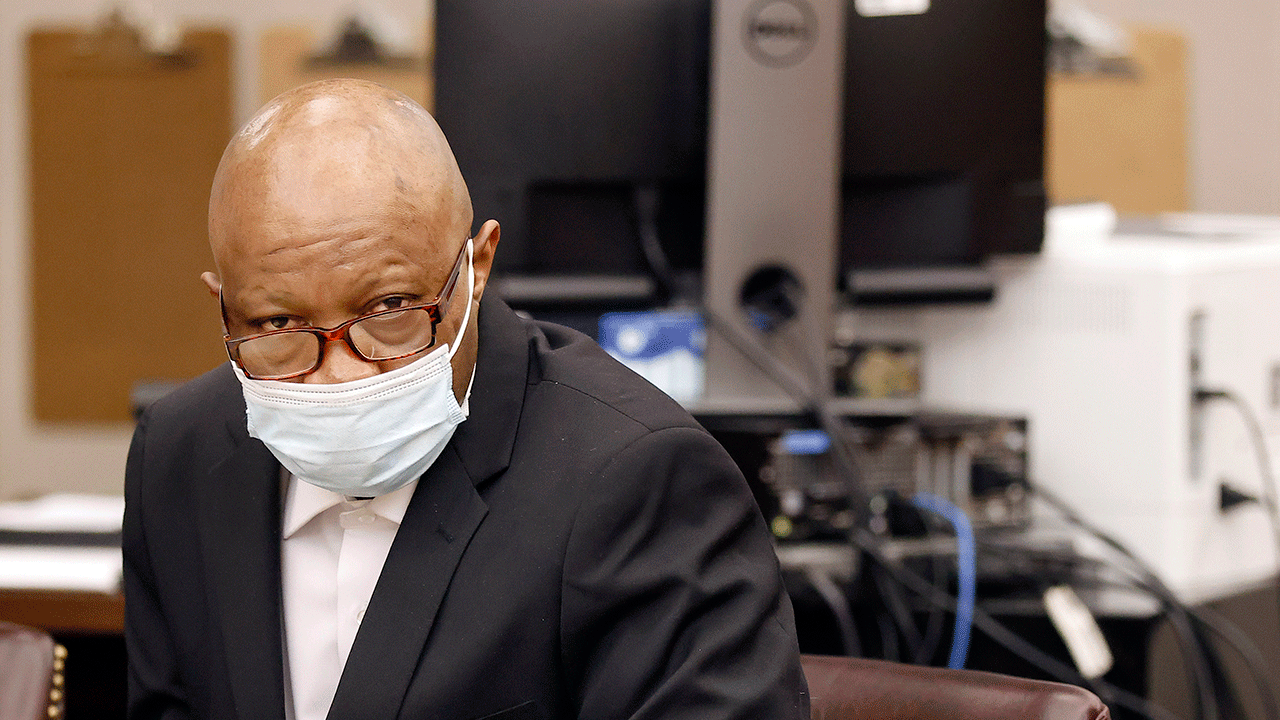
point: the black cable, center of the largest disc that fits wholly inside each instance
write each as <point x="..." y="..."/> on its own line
<point x="891" y="595"/>
<point x="645" y="200"/>
<point x="888" y="637"/>
<point x="1147" y="579"/>
<point x="800" y="339"/>
<point x="1199" y="667"/>
<point x="933" y="628"/>
<point x="1230" y="633"/>
<point x="1262" y="457"/>
<point x="834" y="425"/>
<point x="827" y="419"/>
<point x="1194" y="647"/>
<point x="1254" y="660"/>
<point x="1224" y="689"/>
<point x="839" y="605"/>
<point x="749" y="348"/>
<point x="997" y="631"/>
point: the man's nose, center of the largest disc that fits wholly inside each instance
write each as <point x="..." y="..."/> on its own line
<point x="341" y="364"/>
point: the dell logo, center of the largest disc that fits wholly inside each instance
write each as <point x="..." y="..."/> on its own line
<point x="765" y="31"/>
<point x="780" y="33"/>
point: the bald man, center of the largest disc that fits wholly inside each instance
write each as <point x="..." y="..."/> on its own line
<point x="399" y="501"/>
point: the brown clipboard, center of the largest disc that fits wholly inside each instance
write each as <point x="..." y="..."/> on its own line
<point x="123" y="146"/>
<point x="1123" y="140"/>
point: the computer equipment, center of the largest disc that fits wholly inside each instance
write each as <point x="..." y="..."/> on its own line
<point x="1101" y="342"/>
<point x="583" y="126"/>
<point x="844" y="141"/>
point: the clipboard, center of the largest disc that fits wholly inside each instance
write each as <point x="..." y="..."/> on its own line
<point x="1123" y="139"/>
<point x="124" y="143"/>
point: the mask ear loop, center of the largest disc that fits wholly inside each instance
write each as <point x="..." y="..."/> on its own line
<point x="466" y="317"/>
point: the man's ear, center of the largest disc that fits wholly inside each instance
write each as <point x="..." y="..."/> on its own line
<point x="212" y="282"/>
<point x="483" y="247"/>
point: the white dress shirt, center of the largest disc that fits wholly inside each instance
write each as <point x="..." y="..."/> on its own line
<point x="332" y="549"/>
<point x="332" y="552"/>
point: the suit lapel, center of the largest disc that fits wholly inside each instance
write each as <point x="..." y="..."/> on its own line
<point x="485" y="441"/>
<point x="239" y="522"/>
<point x="445" y="512"/>
<point x="441" y="518"/>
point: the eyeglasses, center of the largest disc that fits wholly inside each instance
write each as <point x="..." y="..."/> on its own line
<point x="383" y="335"/>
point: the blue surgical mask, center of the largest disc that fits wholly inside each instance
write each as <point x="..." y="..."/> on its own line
<point x="366" y="437"/>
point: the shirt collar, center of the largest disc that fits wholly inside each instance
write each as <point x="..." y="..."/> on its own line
<point x="392" y="505"/>
<point x="304" y="501"/>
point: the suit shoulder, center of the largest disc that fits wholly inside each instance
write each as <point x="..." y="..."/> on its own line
<point x="212" y="397"/>
<point x="569" y="362"/>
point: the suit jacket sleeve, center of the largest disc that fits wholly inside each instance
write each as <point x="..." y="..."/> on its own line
<point x="673" y="603"/>
<point x="154" y="689"/>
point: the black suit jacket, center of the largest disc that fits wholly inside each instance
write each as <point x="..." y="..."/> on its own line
<point x="582" y="549"/>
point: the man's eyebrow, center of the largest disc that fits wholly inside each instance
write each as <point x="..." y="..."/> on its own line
<point x="260" y="297"/>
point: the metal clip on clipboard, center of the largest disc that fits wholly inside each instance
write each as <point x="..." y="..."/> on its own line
<point x="120" y="41"/>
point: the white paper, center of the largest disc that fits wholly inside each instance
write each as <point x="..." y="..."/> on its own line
<point x="882" y="8"/>
<point x="64" y="512"/>
<point x="30" y="567"/>
<point x="1220" y="225"/>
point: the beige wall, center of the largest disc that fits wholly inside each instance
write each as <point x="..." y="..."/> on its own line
<point x="1235" y="166"/>
<point x="1234" y="48"/>
<point x="35" y="458"/>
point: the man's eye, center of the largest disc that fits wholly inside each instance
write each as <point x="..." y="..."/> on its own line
<point x="392" y="303"/>
<point x="279" y="322"/>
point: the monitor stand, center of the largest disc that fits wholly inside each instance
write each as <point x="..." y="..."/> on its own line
<point x="773" y="179"/>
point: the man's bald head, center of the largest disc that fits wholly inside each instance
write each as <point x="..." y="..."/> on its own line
<point x="338" y="199"/>
<point x="330" y="150"/>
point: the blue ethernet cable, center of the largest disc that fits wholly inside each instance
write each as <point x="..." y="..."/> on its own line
<point x="967" y="591"/>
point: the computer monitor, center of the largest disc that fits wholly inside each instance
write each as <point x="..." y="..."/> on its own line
<point x="943" y="159"/>
<point x="581" y="125"/>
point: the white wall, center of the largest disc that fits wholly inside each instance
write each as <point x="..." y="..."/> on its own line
<point x="1234" y="64"/>
<point x="37" y="458"/>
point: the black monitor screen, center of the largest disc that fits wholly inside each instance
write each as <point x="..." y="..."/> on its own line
<point x="577" y="121"/>
<point x="943" y="160"/>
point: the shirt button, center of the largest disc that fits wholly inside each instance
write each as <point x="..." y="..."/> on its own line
<point x="360" y="615"/>
<point x="356" y="518"/>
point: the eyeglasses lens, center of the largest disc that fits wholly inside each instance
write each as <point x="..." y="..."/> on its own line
<point x="280" y="355"/>
<point x="392" y="335"/>
<point x="379" y="337"/>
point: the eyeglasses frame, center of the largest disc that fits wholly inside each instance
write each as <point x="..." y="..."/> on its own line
<point x="436" y="308"/>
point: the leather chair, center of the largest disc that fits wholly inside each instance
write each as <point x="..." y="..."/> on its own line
<point x="31" y="674"/>
<point x="843" y="688"/>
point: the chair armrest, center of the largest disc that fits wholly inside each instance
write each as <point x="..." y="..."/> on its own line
<point x="844" y="688"/>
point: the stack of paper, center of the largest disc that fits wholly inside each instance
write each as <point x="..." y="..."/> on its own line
<point x="29" y="561"/>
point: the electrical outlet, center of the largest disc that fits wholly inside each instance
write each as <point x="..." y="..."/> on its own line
<point x="1273" y="387"/>
<point x="1195" y="415"/>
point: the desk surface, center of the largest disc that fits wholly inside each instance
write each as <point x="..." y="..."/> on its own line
<point x="73" y="613"/>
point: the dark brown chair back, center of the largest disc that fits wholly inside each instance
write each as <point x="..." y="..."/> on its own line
<point x="31" y="678"/>
<point x="846" y="688"/>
